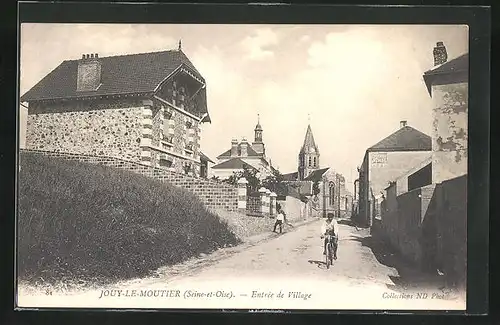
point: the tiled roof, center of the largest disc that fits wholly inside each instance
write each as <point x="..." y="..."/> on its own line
<point x="404" y="139"/>
<point x="250" y="152"/>
<point x="235" y="163"/>
<point x="204" y="157"/>
<point x="123" y="74"/>
<point x="453" y="71"/>
<point x="291" y="176"/>
<point x="316" y="175"/>
<point x="296" y="194"/>
<point x="460" y="63"/>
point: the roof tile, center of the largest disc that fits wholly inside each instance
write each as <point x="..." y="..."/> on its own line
<point x="122" y="74"/>
<point x="235" y="163"/>
<point x="404" y="139"/>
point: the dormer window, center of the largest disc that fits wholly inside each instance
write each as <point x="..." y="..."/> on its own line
<point x="169" y="138"/>
<point x="167" y="113"/>
<point x="189" y="146"/>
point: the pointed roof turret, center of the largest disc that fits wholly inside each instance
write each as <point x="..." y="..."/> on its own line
<point x="309" y="141"/>
<point x="258" y="127"/>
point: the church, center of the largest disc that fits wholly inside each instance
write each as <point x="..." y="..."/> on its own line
<point x="242" y="155"/>
<point x="322" y="187"/>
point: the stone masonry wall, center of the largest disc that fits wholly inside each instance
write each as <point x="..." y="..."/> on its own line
<point x="214" y="195"/>
<point x="170" y="134"/>
<point x="112" y="132"/>
<point x="450" y="131"/>
<point x="254" y="204"/>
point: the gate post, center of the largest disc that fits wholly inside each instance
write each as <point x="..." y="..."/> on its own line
<point x="242" y="194"/>
<point x="272" y="201"/>
<point x="263" y="201"/>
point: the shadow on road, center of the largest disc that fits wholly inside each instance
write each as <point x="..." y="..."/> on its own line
<point x="320" y="264"/>
<point x="409" y="276"/>
<point x="347" y="222"/>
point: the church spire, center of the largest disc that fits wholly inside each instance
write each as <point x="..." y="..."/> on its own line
<point x="309" y="142"/>
<point x="180" y="45"/>
<point x="308" y="155"/>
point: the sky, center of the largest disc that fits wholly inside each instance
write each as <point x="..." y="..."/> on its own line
<point x="352" y="83"/>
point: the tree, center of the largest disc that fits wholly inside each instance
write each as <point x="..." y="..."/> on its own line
<point x="250" y="175"/>
<point x="275" y="182"/>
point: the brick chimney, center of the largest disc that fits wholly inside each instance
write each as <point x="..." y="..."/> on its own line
<point x="440" y="54"/>
<point x="402" y="124"/>
<point x="234" y="148"/>
<point x="244" y="147"/>
<point x="89" y="73"/>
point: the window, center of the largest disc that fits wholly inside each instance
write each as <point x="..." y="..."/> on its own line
<point x="315" y="162"/>
<point x="167" y="115"/>
<point x="310" y="158"/>
<point x="166" y="163"/>
<point x="187" y="168"/>
<point x="190" y="146"/>
<point x="169" y="138"/>
<point x="332" y="194"/>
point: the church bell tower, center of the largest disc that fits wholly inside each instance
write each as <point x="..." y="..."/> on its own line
<point x="308" y="155"/>
<point x="258" y="145"/>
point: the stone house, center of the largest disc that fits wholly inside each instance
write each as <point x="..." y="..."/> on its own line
<point x="324" y="187"/>
<point x="146" y="107"/>
<point x="244" y="155"/>
<point x="384" y="161"/>
<point x="424" y="214"/>
<point x="447" y="83"/>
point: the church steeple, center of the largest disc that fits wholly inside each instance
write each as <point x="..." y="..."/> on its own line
<point x="308" y="155"/>
<point x="258" y="145"/>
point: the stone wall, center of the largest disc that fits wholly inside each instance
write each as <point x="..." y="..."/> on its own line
<point x="451" y="225"/>
<point x="295" y="209"/>
<point x="171" y="137"/>
<point x="254" y="205"/>
<point x="428" y="226"/>
<point x="212" y="194"/>
<point x="105" y="128"/>
<point x="450" y="131"/>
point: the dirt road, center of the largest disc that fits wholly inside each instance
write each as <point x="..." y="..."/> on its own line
<point x="282" y="272"/>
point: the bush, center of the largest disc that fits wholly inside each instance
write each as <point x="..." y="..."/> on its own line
<point x="94" y="223"/>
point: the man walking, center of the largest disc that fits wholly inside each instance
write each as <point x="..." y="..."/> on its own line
<point x="280" y="219"/>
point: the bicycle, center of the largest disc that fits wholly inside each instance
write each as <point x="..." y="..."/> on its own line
<point x="330" y="247"/>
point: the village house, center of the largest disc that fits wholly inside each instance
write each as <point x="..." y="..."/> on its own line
<point x="424" y="214"/>
<point x="323" y="189"/>
<point x="447" y="84"/>
<point x="244" y="155"/>
<point x="383" y="162"/>
<point x="146" y="107"/>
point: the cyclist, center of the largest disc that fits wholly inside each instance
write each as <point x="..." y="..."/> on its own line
<point x="330" y="228"/>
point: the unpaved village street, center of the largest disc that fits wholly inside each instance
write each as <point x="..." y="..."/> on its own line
<point x="298" y="253"/>
<point x="365" y="276"/>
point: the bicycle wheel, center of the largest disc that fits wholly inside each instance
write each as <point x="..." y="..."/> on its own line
<point x="328" y="255"/>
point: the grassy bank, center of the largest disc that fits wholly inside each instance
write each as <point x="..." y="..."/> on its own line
<point x="97" y="224"/>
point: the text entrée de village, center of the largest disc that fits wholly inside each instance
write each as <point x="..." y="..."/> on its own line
<point x="193" y="294"/>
